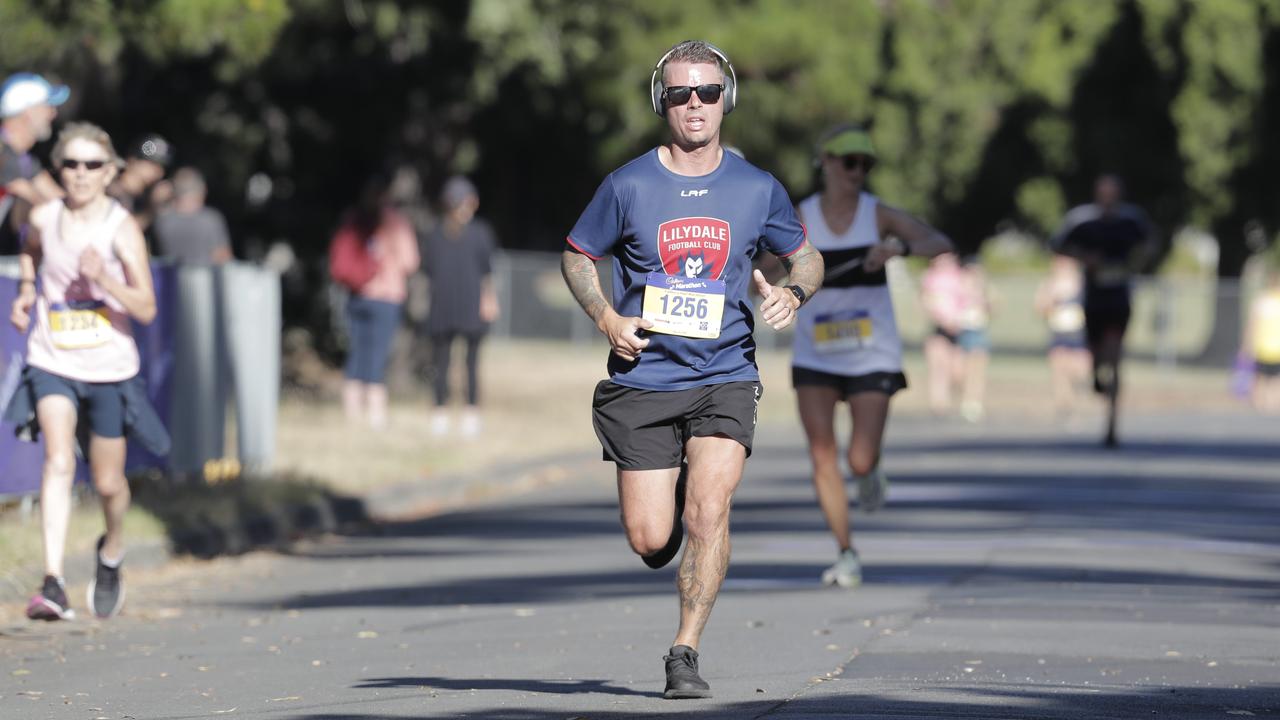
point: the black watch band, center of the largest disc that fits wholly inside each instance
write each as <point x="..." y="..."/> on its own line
<point x="798" y="292"/>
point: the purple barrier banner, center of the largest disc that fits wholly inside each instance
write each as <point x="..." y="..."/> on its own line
<point x="20" y="462"/>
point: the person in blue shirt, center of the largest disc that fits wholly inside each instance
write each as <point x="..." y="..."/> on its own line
<point x="677" y="414"/>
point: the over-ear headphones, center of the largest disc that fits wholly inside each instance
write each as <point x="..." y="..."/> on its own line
<point x="729" y="97"/>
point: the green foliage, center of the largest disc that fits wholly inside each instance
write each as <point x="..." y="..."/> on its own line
<point x="236" y="34"/>
<point x="1040" y="201"/>
<point x="984" y="111"/>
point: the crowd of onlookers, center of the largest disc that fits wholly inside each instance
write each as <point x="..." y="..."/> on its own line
<point x="166" y="200"/>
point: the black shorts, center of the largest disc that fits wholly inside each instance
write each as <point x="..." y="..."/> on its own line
<point x="849" y="385"/>
<point x="1102" y="321"/>
<point x="1265" y="369"/>
<point x="647" y="429"/>
<point x="949" y="337"/>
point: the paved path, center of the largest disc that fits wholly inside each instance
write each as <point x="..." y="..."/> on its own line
<point x="1014" y="575"/>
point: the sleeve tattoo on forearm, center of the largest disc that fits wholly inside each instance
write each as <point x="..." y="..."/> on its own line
<point x="584" y="282"/>
<point x="805" y="268"/>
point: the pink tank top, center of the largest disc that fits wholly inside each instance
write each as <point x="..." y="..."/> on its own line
<point x="80" y="331"/>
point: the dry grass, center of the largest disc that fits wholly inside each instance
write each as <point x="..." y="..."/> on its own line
<point x="537" y="395"/>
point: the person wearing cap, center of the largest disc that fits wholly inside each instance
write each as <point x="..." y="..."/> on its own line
<point x="846" y="346"/>
<point x="457" y="258"/>
<point x="28" y="106"/>
<point x="138" y="183"/>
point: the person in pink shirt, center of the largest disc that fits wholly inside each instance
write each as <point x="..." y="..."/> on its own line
<point x="373" y="254"/>
<point x="93" y="279"/>
<point x="943" y="299"/>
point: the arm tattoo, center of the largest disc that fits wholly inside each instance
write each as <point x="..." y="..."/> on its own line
<point x="806" y="268"/>
<point x="584" y="282"/>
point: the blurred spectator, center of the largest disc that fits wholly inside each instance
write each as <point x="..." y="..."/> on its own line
<point x="1262" y="345"/>
<point x="457" y="257"/>
<point x="188" y="231"/>
<point x="1060" y="301"/>
<point x="373" y="254"/>
<point x="974" y="340"/>
<point x="138" y="187"/>
<point x="943" y="299"/>
<point x="1112" y="239"/>
<point x="28" y="105"/>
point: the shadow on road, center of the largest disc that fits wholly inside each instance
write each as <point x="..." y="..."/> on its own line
<point x="1011" y="702"/>
<point x="554" y="687"/>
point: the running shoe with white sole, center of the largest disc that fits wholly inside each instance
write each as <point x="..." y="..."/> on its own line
<point x="51" y="602"/>
<point x="872" y="490"/>
<point x="106" y="589"/>
<point x="847" y="572"/>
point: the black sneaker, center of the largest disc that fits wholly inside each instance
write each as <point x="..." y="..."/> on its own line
<point x="106" y="590"/>
<point x="51" y="602"/>
<point x="669" y="551"/>
<point x="683" y="681"/>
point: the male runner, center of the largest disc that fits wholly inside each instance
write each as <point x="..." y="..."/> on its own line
<point x="677" y="416"/>
<point x="28" y="106"/>
<point x="1111" y="239"/>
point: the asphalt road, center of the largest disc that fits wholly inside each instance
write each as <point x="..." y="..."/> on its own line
<point x="1016" y="573"/>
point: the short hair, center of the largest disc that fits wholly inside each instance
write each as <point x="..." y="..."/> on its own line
<point x="694" y="52"/>
<point x="189" y="181"/>
<point x="84" y="131"/>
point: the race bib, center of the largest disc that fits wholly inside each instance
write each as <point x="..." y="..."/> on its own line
<point x="690" y="307"/>
<point x="1066" y="318"/>
<point x="841" y="331"/>
<point x="75" y="328"/>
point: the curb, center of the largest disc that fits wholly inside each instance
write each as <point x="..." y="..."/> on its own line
<point x="232" y="519"/>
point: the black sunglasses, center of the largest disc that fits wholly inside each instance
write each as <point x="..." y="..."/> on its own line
<point x="866" y="162"/>
<point x="70" y="164"/>
<point x="680" y="94"/>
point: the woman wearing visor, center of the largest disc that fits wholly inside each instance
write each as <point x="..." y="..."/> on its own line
<point x="846" y="346"/>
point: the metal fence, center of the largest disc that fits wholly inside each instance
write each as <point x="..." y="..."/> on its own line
<point x="1175" y="319"/>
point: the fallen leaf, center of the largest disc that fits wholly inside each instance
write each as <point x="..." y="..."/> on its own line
<point x="21" y="671"/>
<point x="366" y="634"/>
<point x="282" y="699"/>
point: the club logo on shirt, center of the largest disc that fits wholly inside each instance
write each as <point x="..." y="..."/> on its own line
<point x="694" y="247"/>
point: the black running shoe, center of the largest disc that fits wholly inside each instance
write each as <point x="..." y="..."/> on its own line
<point x="669" y="551"/>
<point x="51" y="602"/>
<point x="106" y="590"/>
<point x="683" y="681"/>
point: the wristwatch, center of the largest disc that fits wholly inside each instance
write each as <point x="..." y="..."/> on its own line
<point x="798" y="292"/>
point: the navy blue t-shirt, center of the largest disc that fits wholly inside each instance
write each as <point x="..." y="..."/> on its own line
<point x="711" y="227"/>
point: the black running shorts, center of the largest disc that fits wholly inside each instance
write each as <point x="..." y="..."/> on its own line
<point x="849" y="385"/>
<point x="647" y="429"/>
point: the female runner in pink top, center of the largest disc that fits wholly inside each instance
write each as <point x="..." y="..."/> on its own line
<point x="94" y="276"/>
